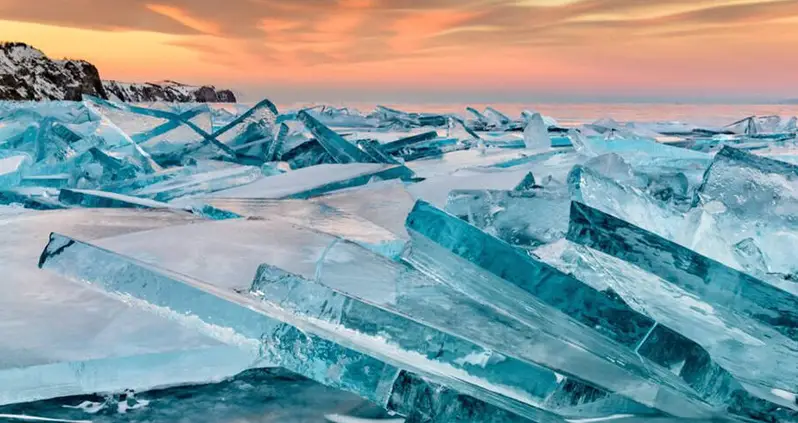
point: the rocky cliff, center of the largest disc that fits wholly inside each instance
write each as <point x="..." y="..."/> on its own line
<point x="166" y="91"/>
<point x="28" y="74"/>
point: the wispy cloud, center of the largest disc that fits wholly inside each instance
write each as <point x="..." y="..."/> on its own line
<point x="337" y="38"/>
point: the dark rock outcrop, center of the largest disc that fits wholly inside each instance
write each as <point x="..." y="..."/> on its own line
<point x="166" y="91"/>
<point x="27" y="74"/>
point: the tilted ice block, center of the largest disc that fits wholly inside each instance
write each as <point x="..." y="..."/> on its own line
<point x="627" y="373"/>
<point x="372" y="148"/>
<point x="593" y="303"/>
<point x="526" y="218"/>
<point x="403" y="329"/>
<point x="341" y="150"/>
<point x="540" y="337"/>
<point x="321" y="217"/>
<point x="723" y="361"/>
<point x="316" y="349"/>
<point x="59" y="338"/>
<point x="603" y="311"/>
<point x="708" y="279"/>
<point x="200" y="183"/>
<point x="316" y="180"/>
<point x="409" y="142"/>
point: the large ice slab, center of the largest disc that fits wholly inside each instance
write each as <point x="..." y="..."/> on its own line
<point x="98" y="344"/>
<point x="595" y="304"/>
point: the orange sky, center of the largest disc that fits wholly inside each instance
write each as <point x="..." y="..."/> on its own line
<point x="429" y="49"/>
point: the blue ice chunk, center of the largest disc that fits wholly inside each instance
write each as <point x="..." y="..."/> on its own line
<point x="305" y="346"/>
<point x="316" y="180"/>
<point x="710" y="280"/>
<point x="341" y="150"/>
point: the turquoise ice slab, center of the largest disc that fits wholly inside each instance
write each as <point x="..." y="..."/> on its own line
<point x="710" y="280"/>
<point x="312" y="348"/>
<point x="320" y="217"/>
<point x="401" y="327"/>
<point x="97" y="344"/>
<point x="600" y="310"/>
<point x="341" y="150"/>
<point x="436" y="236"/>
<point x="701" y="344"/>
<point x="316" y="180"/>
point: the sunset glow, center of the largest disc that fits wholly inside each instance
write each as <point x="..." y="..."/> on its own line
<point x="623" y="48"/>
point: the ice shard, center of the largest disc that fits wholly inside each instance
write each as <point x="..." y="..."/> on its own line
<point x="535" y="133"/>
<point x="710" y="280"/>
<point x="341" y="150"/>
<point x="707" y="350"/>
<point x="590" y="301"/>
<point x="309" y="347"/>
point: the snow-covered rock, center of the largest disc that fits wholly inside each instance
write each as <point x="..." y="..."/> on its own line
<point x="28" y="74"/>
<point x="166" y="91"/>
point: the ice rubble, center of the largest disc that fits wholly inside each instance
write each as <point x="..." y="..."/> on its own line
<point x="489" y="269"/>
